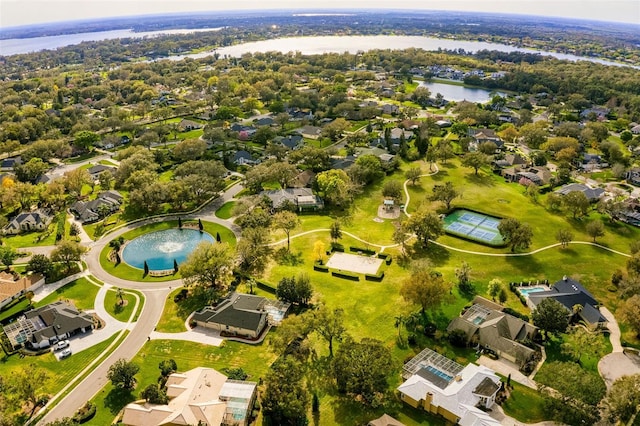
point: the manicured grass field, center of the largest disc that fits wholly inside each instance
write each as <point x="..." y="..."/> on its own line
<point x="80" y="292"/>
<point x="18" y="307"/>
<point x="127" y="272"/>
<point x="224" y="212"/>
<point x="112" y="305"/>
<point x="525" y="404"/>
<point x="31" y="239"/>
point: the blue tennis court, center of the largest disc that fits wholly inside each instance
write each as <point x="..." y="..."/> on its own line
<point x="474" y="226"/>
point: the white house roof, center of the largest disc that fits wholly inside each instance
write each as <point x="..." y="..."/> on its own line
<point x="456" y="395"/>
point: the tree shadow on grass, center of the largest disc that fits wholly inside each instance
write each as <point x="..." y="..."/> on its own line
<point x="441" y="175"/>
<point x="288" y="258"/>
<point x="437" y="255"/>
<point x="480" y="179"/>
<point x="116" y="399"/>
<point x="527" y="266"/>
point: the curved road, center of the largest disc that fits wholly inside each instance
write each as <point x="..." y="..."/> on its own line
<point x="155" y="296"/>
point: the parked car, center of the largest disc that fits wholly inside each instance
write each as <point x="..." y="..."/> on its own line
<point x="62" y="344"/>
<point x="65" y="353"/>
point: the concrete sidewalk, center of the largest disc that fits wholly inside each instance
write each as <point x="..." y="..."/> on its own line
<point x="197" y="335"/>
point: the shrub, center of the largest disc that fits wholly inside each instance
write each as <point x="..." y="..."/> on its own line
<point x="266" y="286"/>
<point x="516" y="314"/>
<point x="458" y="338"/>
<point x="377" y="277"/>
<point x="85" y="413"/>
<point x="355" y="249"/>
<point x="317" y="266"/>
<point x="346" y="275"/>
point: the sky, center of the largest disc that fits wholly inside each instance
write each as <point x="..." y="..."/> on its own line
<point x="23" y="12"/>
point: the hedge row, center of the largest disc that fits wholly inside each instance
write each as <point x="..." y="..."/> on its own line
<point x="85" y="413"/>
<point x="516" y="314"/>
<point x="346" y="275"/>
<point x="355" y="249"/>
<point x="387" y="258"/>
<point x="320" y="268"/>
<point x="371" y="277"/>
<point x="266" y="286"/>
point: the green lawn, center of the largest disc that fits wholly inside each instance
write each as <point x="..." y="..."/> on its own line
<point x="175" y="314"/>
<point x="524" y="404"/>
<point x="224" y="212"/>
<point x="32" y="239"/>
<point x="127" y="272"/>
<point x="22" y="305"/>
<point x="80" y="292"/>
<point x="112" y="305"/>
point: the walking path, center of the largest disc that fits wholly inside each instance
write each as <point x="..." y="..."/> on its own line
<point x="619" y="362"/>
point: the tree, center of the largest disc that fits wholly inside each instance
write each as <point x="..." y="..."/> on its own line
<point x="463" y="274"/>
<point x="75" y="179"/>
<point x="31" y="171"/>
<point x="319" y="251"/>
<point x="426" y="225"/>
<point x="167" y="366"/>
<point x="445" y="193"/>
<point x="154" y="394"/>
<point x="287" y="221"/>
<point x="579" y="341"/>
<point x="595" y="229"/>
<point x="335" y="186"/>
<point x="40" y="264"/>
<point x="425" y="288"/>
<point x="295" y="290"/>
<point x="335" y="129"/>
<point x="68" y="252"/>
<point x="495" y="285"/>
<point x="7" y="256"/>
<point x="475" y="160"/>
<point x="335" y="231"/>
<point x="329" y="324"/>
<point x="577" y="203"/>
<point x="209" y="265"/>
<point x="263" y="135"/>
<point x="285" y="400"/>
<point x="122" y="374"/>
<point x="253" y="251"/>
<point x="400" y="236"/>
<point x="515" y="233"/>
<point x="564" y="237"/>
<point x="551" y="316"/>
<point x="85" y="139"/>
<point x="623" y="399"/>
<point x="189" y="149"/>
<point x="363" y="370"/>
<point x="628" y="312"/>
<point x="413" y="175"/>
<point x="392" y="189"/>
<point x="26" y="386"/>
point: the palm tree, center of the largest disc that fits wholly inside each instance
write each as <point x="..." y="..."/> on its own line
<point x="400" y="321"/>
<point x="120" y="294"/>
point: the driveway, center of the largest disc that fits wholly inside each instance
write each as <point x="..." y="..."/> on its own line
<point x="505" y="368"/>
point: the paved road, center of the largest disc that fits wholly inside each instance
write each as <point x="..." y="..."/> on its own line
<point x="94" y="382"/>
<point x="155" y="296"/>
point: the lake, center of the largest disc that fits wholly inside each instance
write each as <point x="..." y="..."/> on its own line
<point x="13" y="46"/>
<point x="353" y="44"/>
<point x="306" y="45"/>
<point x="453" y="92"/>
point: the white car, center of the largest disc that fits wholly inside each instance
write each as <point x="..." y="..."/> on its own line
<point x="61" y="345"/>
<point x="65" y="353"/>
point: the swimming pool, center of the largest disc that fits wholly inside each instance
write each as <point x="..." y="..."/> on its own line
<point x="438" y="373"/>
<point x="526" y="290"/>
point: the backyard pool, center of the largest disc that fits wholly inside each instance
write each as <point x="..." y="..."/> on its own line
<point x="524" y="291"/>
<point x="475" y="226"/>
<point x="159" y="249"/>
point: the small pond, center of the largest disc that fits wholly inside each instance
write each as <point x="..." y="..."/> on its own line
<point x="159" y="249"/>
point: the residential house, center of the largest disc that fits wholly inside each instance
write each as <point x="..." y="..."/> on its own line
<point x="298" y="114"/>
<point x="242" y="315"/>
<point x="591" y="162"/>
<point x="636" y="129"/>
<point x="443" y="387"/>
<point x="600" y="113"/>
<point x="497" y="331"/>
<point x="292" y="142"/>
<point x="570" y="293"/>
<point x="304" y="179"/>
<point x="592" y="194"/>
<point x="265" y="121"/>
<point x="244" y="132"/>
<point x="104" y="205"/>
<point x="39" y="328"/>
<point x="201" y="396"/>
<point x="243" y="158"/>
<point x="94" y="171"/>
<point x="10" y="163"/>
<point x="385" y="420"/>
<point x="386" y="159"/>
<point x="12" y="286"/>
<point x="311" y="132"/>
<point x="444" y="123"/>
<point x="480" y="136"/>
<point x="510" y="160"/>
<point x="303" y="199"/>
<point x="633" y="176"/>
<point x="37" y="220"/>
<point x="188" y="125"/>
<point x="537" y="175"/>
<point x="397" y="134"/>
<point x="342" y="163"/>
<point x="390" y="109"/>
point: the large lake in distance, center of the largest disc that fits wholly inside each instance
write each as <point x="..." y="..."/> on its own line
<point x="454" y="92"/>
